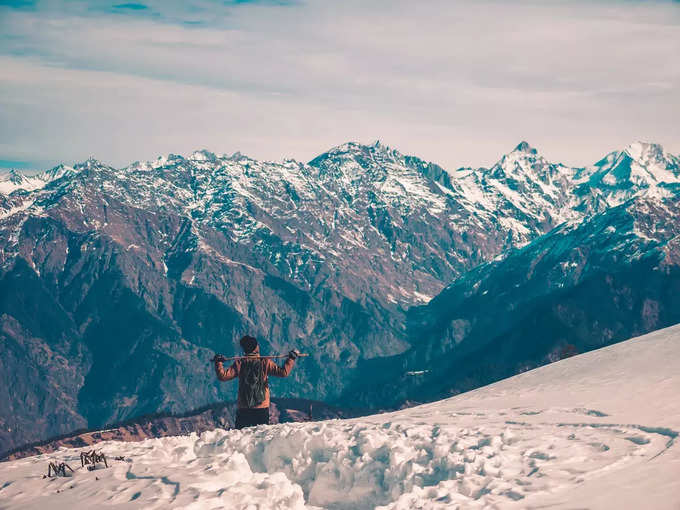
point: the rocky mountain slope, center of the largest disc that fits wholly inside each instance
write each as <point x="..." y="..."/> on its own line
<point x="116" y="285"/>
<point x="580" y="287"/>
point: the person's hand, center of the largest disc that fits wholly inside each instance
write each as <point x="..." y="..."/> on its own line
<point x="219" y="358"/>
<point x="293" y="354"/>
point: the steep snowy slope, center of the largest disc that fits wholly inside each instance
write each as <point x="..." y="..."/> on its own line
<point x="596" y="431"/>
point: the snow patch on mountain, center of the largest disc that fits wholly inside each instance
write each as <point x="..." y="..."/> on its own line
<point x="16" y="180"/>
<point x="16" y="209"/>
<point x="357" y="208"/>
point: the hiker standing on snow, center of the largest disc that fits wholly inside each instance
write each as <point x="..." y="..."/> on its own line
<point x="253" y="382"/>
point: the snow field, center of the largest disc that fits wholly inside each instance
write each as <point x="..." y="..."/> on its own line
<point x="475" y="461"/>
<point x="595" y="431"/>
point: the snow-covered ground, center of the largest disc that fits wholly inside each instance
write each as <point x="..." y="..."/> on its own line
<point x="594" y="431"/>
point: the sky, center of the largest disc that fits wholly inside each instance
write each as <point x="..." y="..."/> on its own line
<point x="455" y="82"/>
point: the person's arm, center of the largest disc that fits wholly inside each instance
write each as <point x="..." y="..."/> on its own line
<point x="277" y="371"/>
<point x="229" y="373"/>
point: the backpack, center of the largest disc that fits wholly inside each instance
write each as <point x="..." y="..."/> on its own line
<point x="253" y="383"/>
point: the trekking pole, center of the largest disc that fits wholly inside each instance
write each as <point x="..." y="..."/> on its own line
<point x="276" y="356"/>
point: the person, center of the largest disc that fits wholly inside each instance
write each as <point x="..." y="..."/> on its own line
<point x="253" y="381"/>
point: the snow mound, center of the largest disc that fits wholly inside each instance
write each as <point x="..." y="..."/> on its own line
<point x="597" y="431"/>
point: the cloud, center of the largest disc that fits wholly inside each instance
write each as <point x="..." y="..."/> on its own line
<point x="132" y="6"/>
<point x="458" y="83"/>
<point x="17" y="4"/>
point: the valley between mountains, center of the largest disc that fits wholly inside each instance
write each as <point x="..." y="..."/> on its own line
<point x="403" y="280"/>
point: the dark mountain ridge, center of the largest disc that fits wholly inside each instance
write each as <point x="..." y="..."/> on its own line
<point x="577" y="288"/>
<point x="116" y="285"/>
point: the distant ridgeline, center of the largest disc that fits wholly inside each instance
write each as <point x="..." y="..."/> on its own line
<point x="210" y="417"/>
<point x="405" y="281"/>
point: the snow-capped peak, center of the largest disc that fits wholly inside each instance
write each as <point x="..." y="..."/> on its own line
<point x="203" y="155"/>
<point x="641" y="165"/>
<point x="644" y="152"/>
<point x="12" y="181"/>
<point x="522" y="158"/>
<point x="16" y="180"/>
<point x="379" y="146"/>
<point x="162" y="161"/>
<point x="353" y="161"/>
<point x="525" y="148"/>
<point x="523" y="162"/>
<point x="57" y="172"/>
<point x="15" y="176"/>
<point x="88" y="164"/>
<point x="356" y="148"/>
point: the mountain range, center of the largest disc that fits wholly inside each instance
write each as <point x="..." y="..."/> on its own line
<point x="403" y="280"/>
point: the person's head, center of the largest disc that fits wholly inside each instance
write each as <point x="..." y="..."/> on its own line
<point x="248" y="344"/>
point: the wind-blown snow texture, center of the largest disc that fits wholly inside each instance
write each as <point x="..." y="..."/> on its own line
<point x="598" y="430"/>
